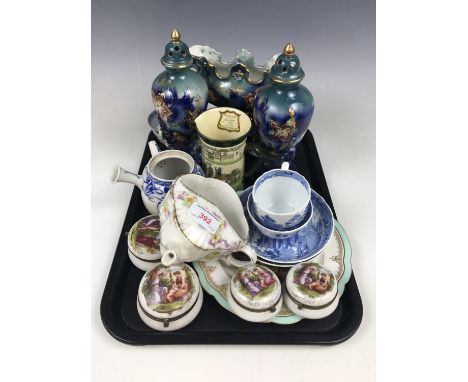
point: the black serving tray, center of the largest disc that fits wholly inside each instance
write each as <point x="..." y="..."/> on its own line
<point x="214" y="324"/>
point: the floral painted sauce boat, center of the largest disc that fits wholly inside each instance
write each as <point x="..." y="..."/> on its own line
<point x="233" y="83"/>
<point x="203" y="218"/>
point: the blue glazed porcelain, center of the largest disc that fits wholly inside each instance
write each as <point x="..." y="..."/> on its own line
<point x="283" y="109"/>
<point x="179" y="95"/>
<point x="277" y="234"/>
<point x="273" y="207"/>
<point x="158" y="175"/>
<point x="302" y="246"/>
<point x="232" y="83"/>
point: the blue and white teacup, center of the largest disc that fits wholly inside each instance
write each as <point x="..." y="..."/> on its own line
<point x="282" y="234"/>
<point x="281" y="198"/>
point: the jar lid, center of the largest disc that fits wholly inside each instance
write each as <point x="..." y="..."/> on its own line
<point x="311" y="285"/>
<point x="287" y="67"/>
<point x="143" y="239"/>
<point x="256" y="288"/>
<point x="177" y="54"/>
<point x="168" y="293"/>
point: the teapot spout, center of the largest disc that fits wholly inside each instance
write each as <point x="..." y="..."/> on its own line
<point x="121" y="175"/>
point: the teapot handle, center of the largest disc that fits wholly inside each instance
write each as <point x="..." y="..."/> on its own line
<point x="247" y="250"/>
<point x="153" y="148"/>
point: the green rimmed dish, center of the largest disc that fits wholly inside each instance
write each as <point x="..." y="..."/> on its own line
<point x="215" y="275"/>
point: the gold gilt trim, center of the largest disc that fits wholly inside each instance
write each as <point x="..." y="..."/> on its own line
<point x="289" y="49"/>
<point x="296" y="81"/>
<point x="231" y="71"/>
<point x="339" y="258"/>
<point x="208" y="270"/>
<point x="175" y="35"/>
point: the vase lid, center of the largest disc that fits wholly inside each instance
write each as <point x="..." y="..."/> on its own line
<point x="287" y="67"/>
<point x="177" y="54"/>
<point x="255" y="288"/>
<point x="311" y="285"/>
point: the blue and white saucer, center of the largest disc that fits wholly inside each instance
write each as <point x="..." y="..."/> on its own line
<point x="302" y="246"/>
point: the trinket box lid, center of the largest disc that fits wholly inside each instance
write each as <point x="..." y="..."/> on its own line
<point x="168" y="292"/>
<point x="143" y="239"/>
<point x="255" y="288"/>
<point x="177" y="53"/>
<point x="287" y="67"/>
<point x="311" y="285"/>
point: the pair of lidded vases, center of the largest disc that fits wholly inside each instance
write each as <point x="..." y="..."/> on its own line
<point x="281" y="108"/>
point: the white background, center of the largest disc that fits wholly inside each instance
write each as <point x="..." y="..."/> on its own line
<point x="45" y="152"/>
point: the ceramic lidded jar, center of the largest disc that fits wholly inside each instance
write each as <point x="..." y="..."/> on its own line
<point x="143" y="242"/>
<point x="179" y="95"/>
<point x="283" y="109"/>
<point x="158" y="175"/>
<point x="255" y="293"/>
<point x="311" y="290"/>
<point x="169" y="298"/>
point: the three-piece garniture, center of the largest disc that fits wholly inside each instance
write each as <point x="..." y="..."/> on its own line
<point x="269" y="253"/>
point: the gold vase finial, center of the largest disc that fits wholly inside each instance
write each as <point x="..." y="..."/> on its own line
<point x="175" y="36"/>
<point x="289" y="49"/>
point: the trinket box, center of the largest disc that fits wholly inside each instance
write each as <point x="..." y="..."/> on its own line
<point x="311" y="291"/>
<point x="143" y="242"/>
<point x="169" y="298"/>
<point x="255" y="294"/>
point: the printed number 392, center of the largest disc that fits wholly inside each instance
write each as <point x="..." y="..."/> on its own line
<point x="205" y="218"/>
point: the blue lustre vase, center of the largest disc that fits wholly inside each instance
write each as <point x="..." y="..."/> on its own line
<point x="231" y="83"/>
<point x="179" y="94"/>
<point x="283" y="108"/>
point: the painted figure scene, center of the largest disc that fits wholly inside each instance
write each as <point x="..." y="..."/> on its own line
<point x="256" y="282"/>
<point x="313" y="280"/>
<point x="168" y="289"/>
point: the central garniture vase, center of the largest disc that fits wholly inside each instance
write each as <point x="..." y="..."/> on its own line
<point x="283" y="108"/>
<point x="231" y="83"/>
<point x="179" y="95"/>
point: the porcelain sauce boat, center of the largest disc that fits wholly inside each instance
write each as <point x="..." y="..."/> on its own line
<point x="158" y="175"/>
<point x="203" y="218"/>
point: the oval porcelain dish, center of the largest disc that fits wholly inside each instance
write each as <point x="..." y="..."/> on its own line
<point x="255" y="294"/>
<point x="143" y="242"/>
<point x="169" y="298"/>
<point x="311" y="291"/>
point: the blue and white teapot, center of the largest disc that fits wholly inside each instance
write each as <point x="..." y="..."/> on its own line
<point x="157" y="177"/>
